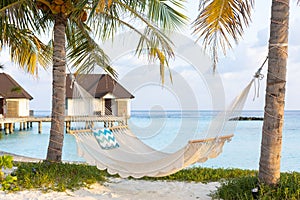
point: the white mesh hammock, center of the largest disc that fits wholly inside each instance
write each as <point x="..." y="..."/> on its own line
<point x="134" y="158"/>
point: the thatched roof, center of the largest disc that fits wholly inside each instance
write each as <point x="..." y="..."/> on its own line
<point x="98" y="85"/>
<point x="9" y="88"/>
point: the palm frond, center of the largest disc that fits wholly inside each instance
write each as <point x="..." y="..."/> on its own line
<point x="220" y="22"/>
<point x="157" y="46"/>
<point x="21" y="13"/>
<point x="105" y="23"/>
<point x="17" y="19"/>
<point x="154" y="42"/>
<point x="84" y="53"/>
<point x="156" y="16"/>
<point x="166" y="14"/>
<point x="25" y="48"/>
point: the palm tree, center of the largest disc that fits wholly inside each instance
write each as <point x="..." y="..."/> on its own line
<point x="222" y="21"/>
<point x="76" y="24"/>
<point x="269" y="165"/>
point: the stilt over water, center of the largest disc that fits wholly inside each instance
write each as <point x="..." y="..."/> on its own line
<point x="25" y="123"/>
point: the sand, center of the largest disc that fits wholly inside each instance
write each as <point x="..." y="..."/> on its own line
<point x="122" y="189"/>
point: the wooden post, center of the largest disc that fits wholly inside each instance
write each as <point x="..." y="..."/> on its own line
<point x="21" y="126"/>
<point x="30" y="124"/>
<point x="40" y="127"/>
<point x="68" y="124"/>
<point x="24" y="126"/>
<point x="6" y="126"/>
<point x="11" y="127"/>
<point x="0" y="126"/>
<point x="92" y="125"/>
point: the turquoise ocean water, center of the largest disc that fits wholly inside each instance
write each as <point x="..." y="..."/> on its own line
<point x="169" y="130"/>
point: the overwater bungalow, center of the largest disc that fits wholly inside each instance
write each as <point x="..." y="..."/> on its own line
<point x="110" y="102"/>
<point x="109" y="96"/>
<point x="14" y="100"/>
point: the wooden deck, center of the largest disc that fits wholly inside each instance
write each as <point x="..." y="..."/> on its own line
<point x="8" y="124"/>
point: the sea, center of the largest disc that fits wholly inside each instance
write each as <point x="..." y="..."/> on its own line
<point x="170" y="130"/>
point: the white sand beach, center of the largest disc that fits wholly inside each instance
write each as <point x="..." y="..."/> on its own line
<point x="123" y="189"/>
<point x="118" y="188"/>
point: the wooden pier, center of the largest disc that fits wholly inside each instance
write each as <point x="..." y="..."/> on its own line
<point x="25" y="123"/>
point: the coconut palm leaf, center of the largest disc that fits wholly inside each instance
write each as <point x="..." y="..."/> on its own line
<point x="158" y="47"/>
<point x="22" y="14"/>
<point x="25" y="48"/>
<point x="17" y="26"/>
<point x="154" y="15"/>
<point x="221" y="22"/>
<point x="164" y="13"/>
<point x="84" y="53"/>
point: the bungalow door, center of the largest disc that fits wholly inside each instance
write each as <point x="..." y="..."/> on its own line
<point x="12" y="109"/>
<point x="108" y="110"/>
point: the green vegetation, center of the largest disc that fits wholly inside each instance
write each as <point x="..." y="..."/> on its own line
<point x="235" y="183"/>
<point x="47" y="176"/>
<point x="16" y="89"/>
<point x="8" y="182"/>
<point x="5" y="162"/>
<point x="240" y="188"/>
<point x="204" y="175"/>
<point x="57" y="176"/>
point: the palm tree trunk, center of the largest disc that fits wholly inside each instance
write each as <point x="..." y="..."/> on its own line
<point x="269" y="165"/>
<point x="58" y="91"/>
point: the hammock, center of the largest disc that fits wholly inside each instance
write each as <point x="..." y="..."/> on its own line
<point x="123" y="153"/>
<point x="136" y="159"/>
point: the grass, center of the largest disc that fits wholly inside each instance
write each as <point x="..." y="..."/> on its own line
<point x="240" y="188"/>
<point x="234" y="183"/>
<point x="57" y="176"/>
<point x="204" y="175"/>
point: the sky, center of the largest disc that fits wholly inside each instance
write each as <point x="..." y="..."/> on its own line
<point x="191" y="89"/>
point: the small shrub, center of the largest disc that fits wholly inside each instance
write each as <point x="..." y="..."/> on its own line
<point x="6" y="161"/>
<point x="8" y="182"/>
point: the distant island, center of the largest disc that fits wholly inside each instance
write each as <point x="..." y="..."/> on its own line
<point x="240" y="118"/>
